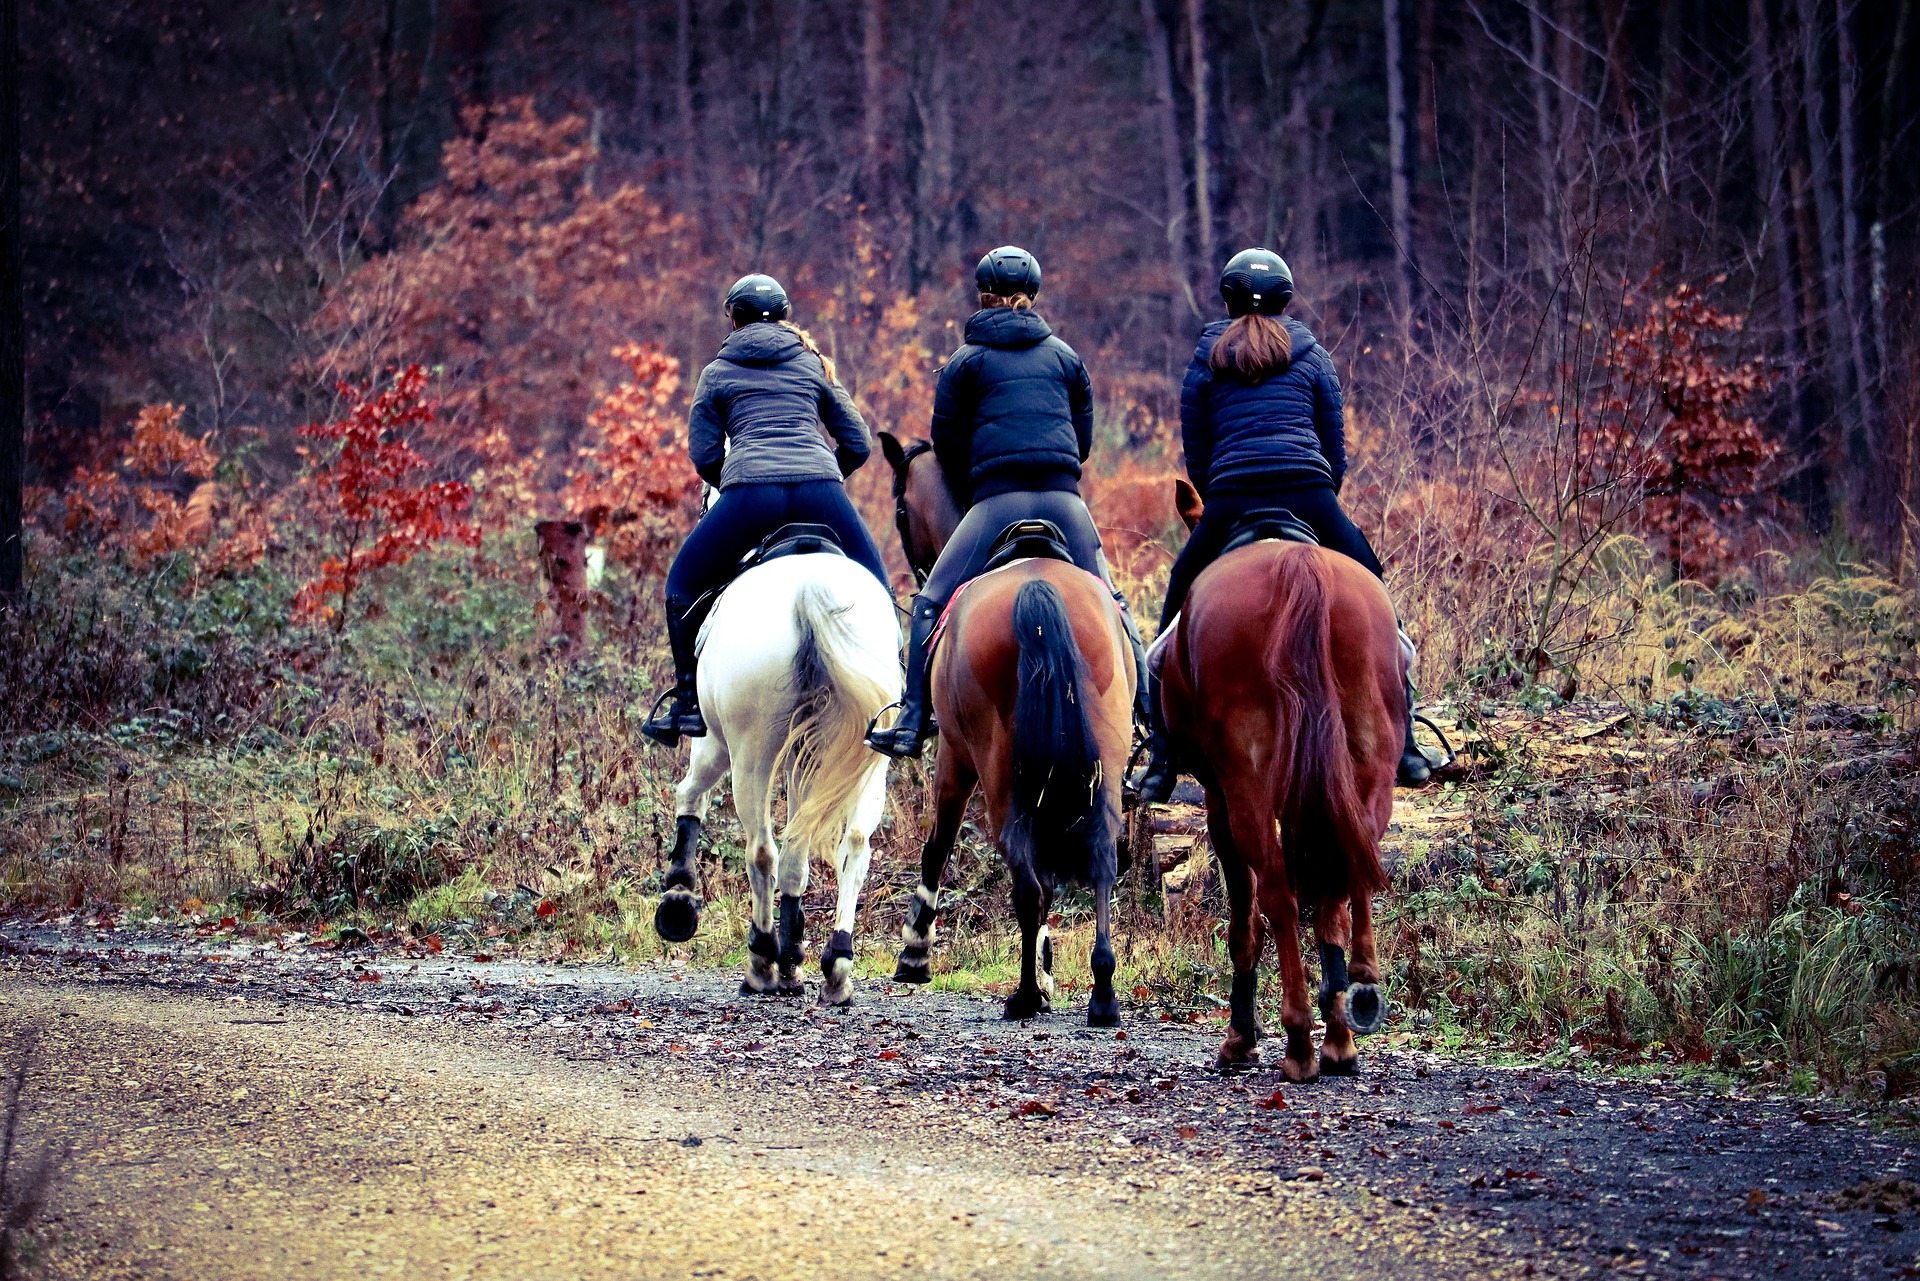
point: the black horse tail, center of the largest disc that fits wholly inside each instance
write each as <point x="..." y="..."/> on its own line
<point x="1059" y="820"/>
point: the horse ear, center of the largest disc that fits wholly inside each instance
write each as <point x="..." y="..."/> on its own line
<point x="890" y="446"/>
<point x="1186" y="501"/>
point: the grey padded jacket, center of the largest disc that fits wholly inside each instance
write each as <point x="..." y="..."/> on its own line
<point x="758" y="409"/>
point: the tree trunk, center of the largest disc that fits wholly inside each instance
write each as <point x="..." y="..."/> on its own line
<point x="1182" y="309"/>
<point x="13" y="327"/>
<point x="1826" y="208"/>
<point x="1202" y="140"/>
<point x="1546" y="150"/>
<point x="1804" y="436"/>
<point x="683" y="86"/>
<point x="873" y="105"/>
<point x="933" y="165"/>
<point x="1863" y="444"/>
<point x="1401" y="199"/>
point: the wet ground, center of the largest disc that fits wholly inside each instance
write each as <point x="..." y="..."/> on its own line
<point x="240" y="1110"/>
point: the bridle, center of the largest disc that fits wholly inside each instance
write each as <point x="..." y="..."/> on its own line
<point x="900" y="513"/>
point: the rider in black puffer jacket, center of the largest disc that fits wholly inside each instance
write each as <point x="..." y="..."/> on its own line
<point x="1262" y="420"/>
<point x="1012" y="422"/>
<point x="1013" y="410"/>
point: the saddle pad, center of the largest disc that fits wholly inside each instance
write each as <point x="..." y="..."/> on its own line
<point x="1157" y="652"/>
<point x="940" y="627"/>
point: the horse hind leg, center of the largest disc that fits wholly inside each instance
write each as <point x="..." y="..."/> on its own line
<point x="676" y="918"/>
<point x="856" y="854"/>
<point x="793" y="864"/>
<point x="750" y="801"/>
<point x="1246" y="940"/>
<point x="1103" y="1007"/>
<point x="1332" y="930"/>
<point x="1029" y="998"/>
<point x="1257" y="838"/>
<point x="953" y="785"/>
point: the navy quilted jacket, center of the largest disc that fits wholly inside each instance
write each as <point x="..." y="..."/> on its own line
<point x="1245" y="437"/>
<point x="758" y="409"/>
<point x="1013" y="409"/>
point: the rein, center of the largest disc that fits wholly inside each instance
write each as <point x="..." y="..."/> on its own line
<point x="900" y="514"/>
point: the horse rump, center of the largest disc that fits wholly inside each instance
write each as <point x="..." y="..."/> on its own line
<point x="1325" y="830"/>
<point x="833" y="702"/>
<point x="1059" y="819"/>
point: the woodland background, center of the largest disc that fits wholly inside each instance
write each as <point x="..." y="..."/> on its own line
<point x="327" y="304"/>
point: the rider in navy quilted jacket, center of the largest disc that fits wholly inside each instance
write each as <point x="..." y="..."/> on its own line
<point x="1012" y="422"/>
<point x="755" y="435"/>
<point x="1263" y="423"/>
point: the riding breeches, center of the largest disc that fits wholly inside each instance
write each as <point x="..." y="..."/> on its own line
<point x="744" y="515"/>
<point x="967" y="551"/>
<point x="1315" y="504"/>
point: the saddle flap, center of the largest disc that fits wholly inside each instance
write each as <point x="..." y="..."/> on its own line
<point x="1026" y="539"/>
<point x="1264" y="523"/>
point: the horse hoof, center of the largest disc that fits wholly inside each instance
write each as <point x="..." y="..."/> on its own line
<point x="748" y="989"/>
<point x="1339" y="1067"/>
<point x="677" y="919"/>
<point x="1026" y="1005"/>
<point x="1103" y="1012"/>
<point x="1366" y="1009"/>
<point x="912" y="972"/>
<point x="1300" y="1073"/>
<point x="1236" y="1058"/>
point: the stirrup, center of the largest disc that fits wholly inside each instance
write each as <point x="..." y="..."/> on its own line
<point x="1403" y="778"/>
<point x="890" y="741"/>
<point x="669" y="727"/>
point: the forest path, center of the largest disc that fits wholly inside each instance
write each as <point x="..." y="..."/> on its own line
<point x="234" y="1111"/>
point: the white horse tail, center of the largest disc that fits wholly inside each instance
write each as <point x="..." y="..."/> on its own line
<point x="834" y="702"/>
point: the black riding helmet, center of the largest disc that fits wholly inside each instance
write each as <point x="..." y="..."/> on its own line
<point x="1256" y="280"/>
<point x="1008" y="270"/>
<point x="756" y="297"/>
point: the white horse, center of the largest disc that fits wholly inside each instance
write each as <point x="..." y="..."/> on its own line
<point x="797" y="657"/>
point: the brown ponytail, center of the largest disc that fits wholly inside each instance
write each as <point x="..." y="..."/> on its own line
<point x="826" y="361"/>
<point x="1019" y="302"/>
<point x="1254" y="348"/>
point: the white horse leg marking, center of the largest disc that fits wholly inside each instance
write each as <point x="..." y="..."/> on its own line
<point x="1044" y="974"/>
<point x="851" y="861"/>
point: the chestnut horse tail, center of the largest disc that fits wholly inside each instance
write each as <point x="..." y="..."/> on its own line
<point x="1058" y="820"/>
<point x="1325" y="830"/>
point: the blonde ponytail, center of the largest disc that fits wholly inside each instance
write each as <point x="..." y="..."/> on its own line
<point x="806" y="339"/>
<point x="1019" y="302"/>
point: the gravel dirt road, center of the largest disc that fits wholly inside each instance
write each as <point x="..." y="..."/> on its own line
<point x="234" y="1111"/>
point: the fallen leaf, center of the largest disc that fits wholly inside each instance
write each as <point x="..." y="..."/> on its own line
<point x="483" y="956"/>
<point x="1185" y="1131"/>
<point x="889" y="1054"/>
<point x="1036" y="1107"/>
<point x="1474" y="1109"/>
<point x="1310" y="1173"/>
<point x="367" y="976"/>
<point x="1273" y="1102"/>
<point x="545" y="909"/>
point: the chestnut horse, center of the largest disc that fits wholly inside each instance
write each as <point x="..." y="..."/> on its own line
<point x="1033" y="686"/>
<point x="1283" y="695"/>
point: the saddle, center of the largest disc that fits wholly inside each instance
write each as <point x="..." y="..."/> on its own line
<point x="1027" y="540"/>
<point x="801" y="538"/>
<point x="1269" y="523"/>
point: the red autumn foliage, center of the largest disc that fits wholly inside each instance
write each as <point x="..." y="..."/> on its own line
<point x="634" y="483"/>
<point x="373" y="492"/>
<point x="1672" y="419"/>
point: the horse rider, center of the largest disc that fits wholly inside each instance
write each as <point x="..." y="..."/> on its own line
<point x="1012" y="423"/>
<point x="1262" y="420"/>
<point x="755" y="435"/>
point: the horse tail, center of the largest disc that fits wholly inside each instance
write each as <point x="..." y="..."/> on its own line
<point x="834" y="700"/>
<point x="1059" y="820"/>
<point x="1325" y="832"/>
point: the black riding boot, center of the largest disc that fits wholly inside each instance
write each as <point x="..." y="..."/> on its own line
<point x="1142" y="705"/>
<point x="678" y="711"/>
<point x="915" y="724"/>
<point x="1161" y="772"/>
<point x="1415" y="768"/>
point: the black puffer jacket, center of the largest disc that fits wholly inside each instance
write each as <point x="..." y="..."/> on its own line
<point x="1014" y="409"/>
<point x="1244" y="437"/>
<point x="757" y="412"/>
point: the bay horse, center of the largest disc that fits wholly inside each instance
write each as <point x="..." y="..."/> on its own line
<point x="1283" y="694"/>
<point x="799" y="654"/>
<point x="1033" y="688"/>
